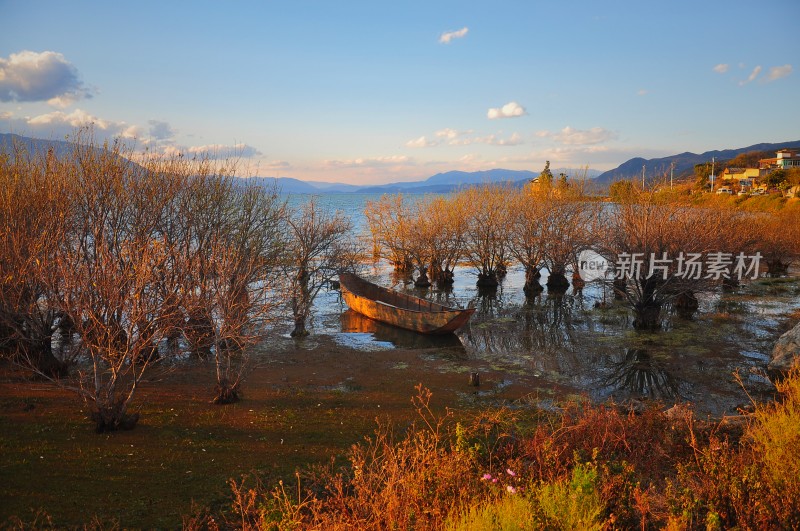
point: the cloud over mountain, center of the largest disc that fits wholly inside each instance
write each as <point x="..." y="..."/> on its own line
<point x="578" y="137"/>
<point x="221" y="151"/>
<point x="60" y="124"/>
<point x="46" y="76"/>
<point x="160" y="130"/>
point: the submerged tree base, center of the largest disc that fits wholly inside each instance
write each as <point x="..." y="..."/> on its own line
<point x="686" y="304"/>
<point x="443" y="277"/>
<point x="532" y="288"/>
<point x="299" y="332"/>
<point x="557" y="282"/>
<point x="647" y="317"/>
<point x="422" y="281"/>
<point x="488" y="280"/>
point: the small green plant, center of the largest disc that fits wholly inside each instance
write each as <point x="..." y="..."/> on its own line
<point x="510" y="512"/>
<point x="573" y="504"/>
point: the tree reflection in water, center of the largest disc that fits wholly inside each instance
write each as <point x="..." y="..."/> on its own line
<point x="639" y="373"/>
<point x="537" y="336"/>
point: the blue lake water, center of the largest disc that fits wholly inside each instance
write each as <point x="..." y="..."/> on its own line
<point x="582" y="341"/>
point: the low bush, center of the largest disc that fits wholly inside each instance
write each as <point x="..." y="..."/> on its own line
<point x="583" y="467"/>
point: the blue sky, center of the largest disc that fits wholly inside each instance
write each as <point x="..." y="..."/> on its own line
<point x="375" y="91"/>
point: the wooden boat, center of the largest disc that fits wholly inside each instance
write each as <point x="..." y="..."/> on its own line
<point x="399" y="309"/>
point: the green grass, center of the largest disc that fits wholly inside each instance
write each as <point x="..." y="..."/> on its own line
<point x="150" y="476"/>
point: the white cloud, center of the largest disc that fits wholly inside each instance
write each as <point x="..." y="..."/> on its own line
<point x="509" y="110"/>
<point x="221" y="151"/>
<point x="448" y="36"/>
<point x="64" y="101"/>
<point x="274" y="164"/>
<point x="59" y="123"/>
<point x="642" y="92"/>
<point x="421" y="142"/>
<point x="578" y="137"/>
<point x="753" y="75"/>
<point x="777" y="72"/>
<point x="377" y="162"/>
<point x="451" y="134"/>
<point x="721" y="68"/>
<point x="493" y="140"/>
<point x="47" y="76"/>
<point x="160" y="130"/>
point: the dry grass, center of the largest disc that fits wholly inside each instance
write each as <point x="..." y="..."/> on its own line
<point x="588" y="467"/>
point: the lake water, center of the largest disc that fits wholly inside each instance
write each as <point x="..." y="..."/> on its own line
<point x="581" y="342"/>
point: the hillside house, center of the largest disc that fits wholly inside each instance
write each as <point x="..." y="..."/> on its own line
<point x="784" y="159"/>
<point x="744" y="178"/>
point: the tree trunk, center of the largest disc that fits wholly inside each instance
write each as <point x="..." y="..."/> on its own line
<point x="577" y="282"/>
<point x="648" y="309"/>
<point x="422" y="280"/>
<point x="199" y="334"/>
<point x="301" y="304"/>
<point x="227" y="392"/>
<point x="113" y="417"/>
<point x="686" y="304"/>
<point x="532" y="286"/>
<point x="488" y="279"/>
<point x="776" y="268"/>
<point x="40" y="356"/>
<point x="647" y="316"/>
<point x="557" y="282"/>
<point x="501" y="270"/>
<point x="443" y="277"/>
<point x="299" y="327"/>
<point x="620" y="288"/>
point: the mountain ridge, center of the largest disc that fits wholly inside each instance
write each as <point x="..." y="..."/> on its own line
<point x="449" y="181"/>
<point x="684" y="162"/>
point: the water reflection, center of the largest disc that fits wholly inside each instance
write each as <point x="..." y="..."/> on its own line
<point x="355" y="323"/>
<point x="639" y="373"/>
<point x="541" y="324"/>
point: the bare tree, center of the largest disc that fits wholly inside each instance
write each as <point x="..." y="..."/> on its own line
<point x="232" y="278"/>
<point x="527" y="212"/>
<point x="780" y="239"/>
<point x="388" y="220"/>
<point x="131" y="255"/>
<point x="108" y="269"/>
<point x="566" y="223"/>
<point x="319" y="245"/>
<point x="434" y="239"/>
<point x="661" y="247"/>
<point x="446" y="216"/>
<point x="32" y="212"/>
<point x="487" y="229"/>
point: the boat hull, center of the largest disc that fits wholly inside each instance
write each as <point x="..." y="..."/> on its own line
<point x="399" y="309"/>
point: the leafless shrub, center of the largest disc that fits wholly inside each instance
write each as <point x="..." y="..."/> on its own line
<point x="319" y="245"/>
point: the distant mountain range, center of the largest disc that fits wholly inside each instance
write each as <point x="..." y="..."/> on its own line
<point x="452" y="180"/>
<point x="9" y="141"/>
<point x="684" y="163"/>
<point x="439" y="183"/>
